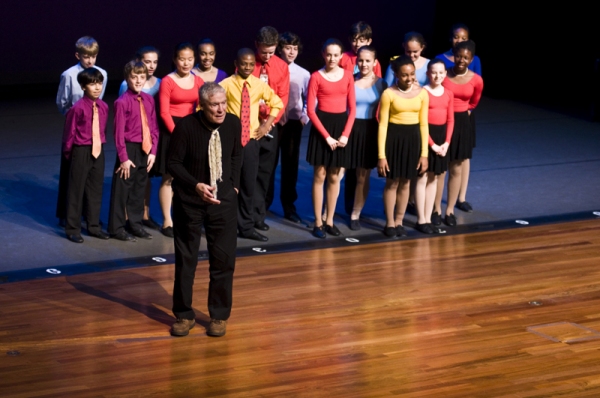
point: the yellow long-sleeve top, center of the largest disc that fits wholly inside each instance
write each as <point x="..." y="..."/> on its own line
<point x="398" y="110"/>
<point x="258" y="90"/>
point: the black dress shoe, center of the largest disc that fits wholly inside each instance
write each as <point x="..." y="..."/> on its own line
<point x="332" y="230"/>
<point x="124" y="236"/>
<point x="293" y="217"/>
<point x="255" y="236"/>
<point x="100" y="235"/>
<point x="141" y="233"/>
<point x="450" y="220"/>
<point x="400" y="231"/>
<point x="465" y="206"/>
<point x="390" y="232"/>
<point x="261" y="225"/>
<point x="75" y="238"/>
<point x="319" y="232"/>
<point x="150" y="223"/>
<point x="354" y="225"/>
<point x="436" y="219"/>
<point x="425" y="228"/>
<point x="168" y="232"/>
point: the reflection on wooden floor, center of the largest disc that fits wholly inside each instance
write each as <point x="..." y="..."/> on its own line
<point x="513" y="313"/>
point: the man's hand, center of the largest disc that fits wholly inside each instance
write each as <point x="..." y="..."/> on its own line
<point x="123" y="169"/>
<point x="206" y="193"/>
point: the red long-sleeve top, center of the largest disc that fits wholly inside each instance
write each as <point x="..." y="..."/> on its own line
<point x="332" y="97"/>
<point x="279" y="78"/>
<point x="466" y="96"/>
<point x="176" y="101"/>
<point x="441" y="111"/>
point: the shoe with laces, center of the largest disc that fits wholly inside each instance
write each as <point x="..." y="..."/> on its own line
<point x="436" y="218"/>
<point x="217" y="328"/>
<point x="182" y="327"/>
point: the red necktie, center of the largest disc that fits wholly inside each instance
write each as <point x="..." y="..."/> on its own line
<point x="146" y="139"/>
<point x="96" y="142"/>
<point x="245" y="115"/>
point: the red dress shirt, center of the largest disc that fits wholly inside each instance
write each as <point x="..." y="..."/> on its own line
<point x="279" y="78"/>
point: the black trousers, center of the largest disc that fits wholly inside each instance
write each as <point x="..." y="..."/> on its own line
<point x="128" y="194"/>
<point x="257" y="167"/>
<point x="86" y="178"/>
<point x="290" y="136"/>
<point x="219" y="223"/>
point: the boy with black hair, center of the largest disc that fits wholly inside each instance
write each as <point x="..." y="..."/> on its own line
<point x="83" y="136"/>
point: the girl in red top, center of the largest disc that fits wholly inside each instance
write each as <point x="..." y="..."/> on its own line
<point x="178" y="97"/>
<point x="466" y="86"/>
<point x="333" y="88"/>
<point x="441" y="125"/>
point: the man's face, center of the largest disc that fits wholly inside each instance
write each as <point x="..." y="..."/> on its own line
<point x="215" y="108"/>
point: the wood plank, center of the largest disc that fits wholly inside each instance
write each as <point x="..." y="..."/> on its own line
<point x="445" y="316"/>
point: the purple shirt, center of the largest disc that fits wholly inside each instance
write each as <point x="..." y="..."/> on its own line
<point x="78" y="124"/>
<point x="128" y="122"/>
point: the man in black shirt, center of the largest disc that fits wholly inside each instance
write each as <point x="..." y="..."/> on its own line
<point x="205" y="156"/>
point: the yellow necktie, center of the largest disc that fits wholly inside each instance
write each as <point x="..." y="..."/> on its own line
<point x="96" y="142"/>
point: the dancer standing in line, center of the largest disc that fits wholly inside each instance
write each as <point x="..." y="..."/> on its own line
<point x="458" y="33"/>
<point x="441" y="125"/>
<point x="178" y="97"/>
<point x="332" y="120"/>
<point x="206" y="58"/>
<point x="362" y="145"/>
<point x="292" y="122"/>
<point x="149" y="56"/>
<point x="413" y="44"/>
<point x="467" y="87"/>
<point x="403" y="134"/>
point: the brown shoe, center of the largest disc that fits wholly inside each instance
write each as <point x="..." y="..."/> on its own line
<point x="182" y="327"/>
<point x="216" y="328"/>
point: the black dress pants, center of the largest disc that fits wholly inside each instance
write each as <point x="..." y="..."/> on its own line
<point x="86" y="178"/>
<point x="219" y="223"/>
<point x="128" y="194"/>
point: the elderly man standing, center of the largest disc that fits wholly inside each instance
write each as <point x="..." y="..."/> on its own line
<point x="205" y="158"/>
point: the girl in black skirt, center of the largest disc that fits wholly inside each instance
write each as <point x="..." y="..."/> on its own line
<point x="362" y="146"/>
<point x="402" y="142"/>
<point x="441" y="125"/>
<point x="467" y="87"/>
<point x="332" y="122"/>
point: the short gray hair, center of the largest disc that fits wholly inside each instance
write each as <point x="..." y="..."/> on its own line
<point x="208" y="90"/>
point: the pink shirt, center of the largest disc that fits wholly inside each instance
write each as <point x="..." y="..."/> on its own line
<point x="78" y="124"/>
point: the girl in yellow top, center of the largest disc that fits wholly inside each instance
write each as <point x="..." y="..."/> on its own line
<point x="403" y="146"/>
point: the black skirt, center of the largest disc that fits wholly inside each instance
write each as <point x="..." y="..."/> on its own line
<point x="318" y="152"/>
<point x="437" y="164"/>
<point x="361" y="150"/>
<point x="461" y="144"/>
<point x="403" y="150"/>
<point x="160" y="165"/>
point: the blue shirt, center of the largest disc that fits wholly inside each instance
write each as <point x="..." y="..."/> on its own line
<point x="420" y="74"/>
<point x="367" y="99"/>
<point x="69" y="90"/>
<point x="475" y="65"/>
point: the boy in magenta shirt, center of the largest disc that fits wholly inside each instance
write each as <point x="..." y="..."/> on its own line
<point x="136" y="139"/>
<point x="83" y="137"/>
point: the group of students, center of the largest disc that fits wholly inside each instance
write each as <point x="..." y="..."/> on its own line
<point x="413" y="126"/>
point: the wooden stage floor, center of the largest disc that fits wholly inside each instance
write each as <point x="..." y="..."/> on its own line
<point x="510" y="313"/>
